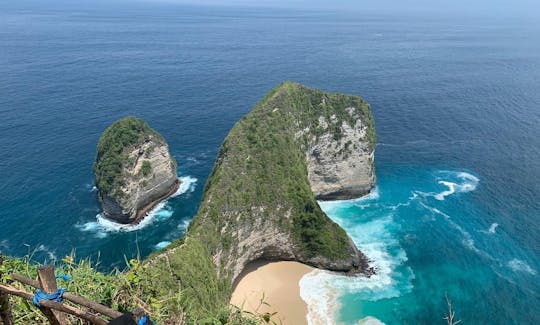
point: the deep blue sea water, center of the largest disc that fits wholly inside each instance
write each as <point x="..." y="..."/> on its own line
<point x="456" y="102"/>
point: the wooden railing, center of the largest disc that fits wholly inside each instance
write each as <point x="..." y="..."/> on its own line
<point x="55" y="312"/>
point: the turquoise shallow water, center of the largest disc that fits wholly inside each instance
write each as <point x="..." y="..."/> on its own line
<point x="455" y="97"/>
<point x="428" y="238"/>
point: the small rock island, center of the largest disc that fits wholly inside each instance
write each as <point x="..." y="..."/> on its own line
<point x="134" y="170"/>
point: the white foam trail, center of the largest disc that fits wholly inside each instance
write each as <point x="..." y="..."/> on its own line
<point x="185" y="224"/>
<point x="44" y="249"/>
<point x="102" y="226"/>
<point x="468" y="183"/>
<point x="492" y="229"/>
<point x="321" y="298"/>
<point x="518" y="265"/>
<point x="162" y="244"/>
<point x="467" y="241"/>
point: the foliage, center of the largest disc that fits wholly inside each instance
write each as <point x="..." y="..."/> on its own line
<point x="134" y="287"/>
<point x="264" y="148"/>
<point x="261" y="165"/>
<point x="146" y="168"/>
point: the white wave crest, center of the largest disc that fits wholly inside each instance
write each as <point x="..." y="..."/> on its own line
<point x="102" y="226"/>
<point x="467" y="183"/>
<point x="370" y="321"/>
<point x="162" y="244"/>
<point x="45" y="250"/>
<point x="492" y="229"/>
<point x="188" y="184"/>
<point x="518" y="265"/>
<point x="321" y="289"/>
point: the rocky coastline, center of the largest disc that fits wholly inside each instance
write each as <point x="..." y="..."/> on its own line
<point x="134" y="171"/>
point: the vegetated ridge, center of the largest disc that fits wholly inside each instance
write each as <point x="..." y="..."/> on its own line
<point x="259" y="202"/>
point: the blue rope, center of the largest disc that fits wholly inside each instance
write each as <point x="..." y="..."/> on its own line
<point x="64" y="277"/>
<point x="56" y="296"/>
<point x="143" y="320"/>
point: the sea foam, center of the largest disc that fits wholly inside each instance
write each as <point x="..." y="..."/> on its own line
<point x="162" y="211"/>
<point x="162" y="244"/>
<point x="321" y="290"/>
<point x="518" y="265"/>
<point x="466" y="183"/>
<point x="492" y="229"/>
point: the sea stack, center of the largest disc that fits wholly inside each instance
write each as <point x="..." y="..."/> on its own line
<point x="134" y="170"/>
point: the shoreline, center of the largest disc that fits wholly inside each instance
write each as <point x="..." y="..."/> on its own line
<point x="143" y="213"/>
<point x="278" y="283"/>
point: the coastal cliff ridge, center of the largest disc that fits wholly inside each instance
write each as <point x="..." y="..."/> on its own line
<point x="260" y="201"/>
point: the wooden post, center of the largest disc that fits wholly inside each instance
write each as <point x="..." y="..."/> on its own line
<point x="47" y="281"/>
<point x="72" y="297"/>
<point x="6" y="317"/>
<point x="54" y="305"/>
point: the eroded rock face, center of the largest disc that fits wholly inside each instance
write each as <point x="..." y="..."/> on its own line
<point x="341" y="169"/>
<point x="296" y="146"/>
<point x="147" y="173"/>
<point x="264" y="240"/>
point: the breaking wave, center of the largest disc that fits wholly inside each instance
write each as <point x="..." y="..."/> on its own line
<point x="376" y="238"/>
<point x="492" y="229"/>
<point x="465" y="183"/>
<point x="162" y="244"/>
<point x="103" y="226"/>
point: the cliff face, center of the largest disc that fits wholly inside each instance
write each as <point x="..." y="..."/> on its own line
<point x="260" y="199"/>
<point x="341" y="168"/>
<point x="134" y="170"/>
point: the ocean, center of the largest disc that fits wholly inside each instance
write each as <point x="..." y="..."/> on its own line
<point x="456" y="101"/>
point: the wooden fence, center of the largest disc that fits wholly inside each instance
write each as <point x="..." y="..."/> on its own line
<point x="55" y="312"/>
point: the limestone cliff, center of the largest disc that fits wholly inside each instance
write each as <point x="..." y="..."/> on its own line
<point x="341" y="167"/>
<point x="260" y="199"/>
<point x="134" y="170"/>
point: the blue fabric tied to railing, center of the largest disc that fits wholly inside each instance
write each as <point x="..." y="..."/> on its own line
<point x="64" y="277"/>
<point x="55" y="296"/>
<point x="143" y="320"/>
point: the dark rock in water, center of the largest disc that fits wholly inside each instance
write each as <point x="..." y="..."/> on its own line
<point x="134" y="170"/>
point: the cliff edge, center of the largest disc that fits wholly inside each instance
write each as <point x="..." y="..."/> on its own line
<point x="134" y="170"/>
<point x="298" y="144"/>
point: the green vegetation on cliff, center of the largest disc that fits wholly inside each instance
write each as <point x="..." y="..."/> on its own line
<point x="112" y="151"/>
<point x="266" y="166"/>
<point x="260" y="173"/>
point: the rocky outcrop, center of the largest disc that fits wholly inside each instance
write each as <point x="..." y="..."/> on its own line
<point x="134" y="170"/>
<point x="259" y="202"/>
<point x="341" y="168"/>
<point x="297" y="145"/>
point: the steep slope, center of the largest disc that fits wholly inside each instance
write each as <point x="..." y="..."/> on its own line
<point x="134" y="170"/>
<point x="260" y="199"/>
